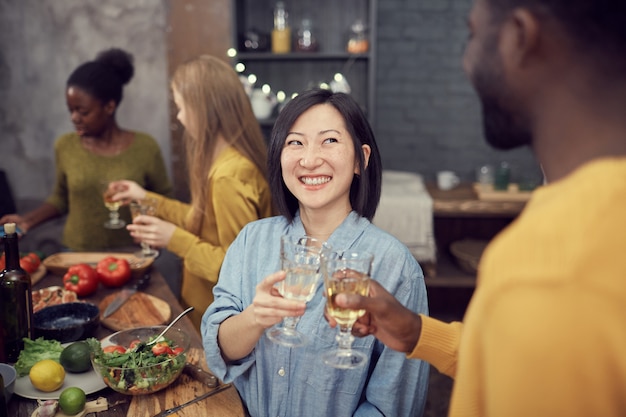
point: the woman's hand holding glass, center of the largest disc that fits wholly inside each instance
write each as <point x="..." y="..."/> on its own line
<point x="300" y="259"/>
<point x="108" y="190"/>
<point x="125" y="191"/>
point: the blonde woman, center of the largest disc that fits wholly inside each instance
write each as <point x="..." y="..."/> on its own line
<point x="226" y="157"/>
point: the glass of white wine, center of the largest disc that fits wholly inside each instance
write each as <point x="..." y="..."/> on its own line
<point x="345" y="272"/>
<point x="114" y="221"/>
<point x="146" y="206"/>
<point x="300" y="258"/>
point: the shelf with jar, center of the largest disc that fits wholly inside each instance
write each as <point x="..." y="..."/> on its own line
<point x="322" y="43"/>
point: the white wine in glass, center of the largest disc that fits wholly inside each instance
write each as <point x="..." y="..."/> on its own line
<point x="114" y="221"/>
<point x="145" y="206"/>
<point x="348" y="273"/>
<point x="300" y="258"/>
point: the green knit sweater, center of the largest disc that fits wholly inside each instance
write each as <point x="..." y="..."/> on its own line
<point x="77" y="188"/>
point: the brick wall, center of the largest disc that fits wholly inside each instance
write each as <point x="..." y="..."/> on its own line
<point x="428" y="116"/>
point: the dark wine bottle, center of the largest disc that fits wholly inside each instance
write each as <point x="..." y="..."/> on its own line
<point x="3" y="400"/>
<point x="16" y="303"/>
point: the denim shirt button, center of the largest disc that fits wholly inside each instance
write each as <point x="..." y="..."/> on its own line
<point x="281" y="372"/>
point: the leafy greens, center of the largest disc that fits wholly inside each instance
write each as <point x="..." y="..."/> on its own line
<point x="35" y="351"/>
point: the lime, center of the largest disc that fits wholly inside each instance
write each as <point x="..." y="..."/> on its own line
<point x="72" y="400"/>
<point x="47" y="375"/>
<point x="76" y="357"/>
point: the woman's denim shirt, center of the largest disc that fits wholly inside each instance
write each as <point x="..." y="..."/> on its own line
<point x="278" y="381"/>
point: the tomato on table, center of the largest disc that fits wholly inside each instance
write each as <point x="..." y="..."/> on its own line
<point x="29" y="262"/>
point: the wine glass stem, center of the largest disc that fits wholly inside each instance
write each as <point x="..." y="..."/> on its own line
<point x="114" y="215"/>
<point x="345" y="338"/>
<point x="290" y="322"/>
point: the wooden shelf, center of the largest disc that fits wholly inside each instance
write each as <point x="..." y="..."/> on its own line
<point x="295" y="56"/>
<point x="460" y="214"/>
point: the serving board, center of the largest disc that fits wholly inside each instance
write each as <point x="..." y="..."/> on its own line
<point x="36" y="276"/>
<point x="59" y="263"/>
<point x="139" y="310"/>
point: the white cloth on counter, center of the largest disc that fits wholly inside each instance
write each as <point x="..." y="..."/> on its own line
<point x="406" y="211"/>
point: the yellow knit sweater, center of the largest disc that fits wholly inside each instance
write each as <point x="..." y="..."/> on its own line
<point x="545" y="333"/>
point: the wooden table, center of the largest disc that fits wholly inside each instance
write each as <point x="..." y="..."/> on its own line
<point x="224" y="404"/>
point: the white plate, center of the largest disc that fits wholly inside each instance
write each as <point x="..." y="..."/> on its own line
<point x="89" y="381"/>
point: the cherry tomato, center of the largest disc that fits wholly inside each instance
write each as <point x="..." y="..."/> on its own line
<point x="30" y="262"/>
<point x="178" y="351"/>
<point x="113" y="349"/>
<point x="161" y="349"/>
<point x="134" y="343"/>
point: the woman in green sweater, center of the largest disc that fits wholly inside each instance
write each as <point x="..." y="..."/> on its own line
<point x="97" y="149"/>
<point x="226" y="156"/>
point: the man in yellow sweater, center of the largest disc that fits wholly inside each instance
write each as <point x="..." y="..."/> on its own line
<point x="545" y="333"/>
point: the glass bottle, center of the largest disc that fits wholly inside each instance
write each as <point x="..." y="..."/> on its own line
<point x="16" y="303"/>
<point x="306" y="42"/>
<point x="3" y="400"/>
<point x="281" y="34"/>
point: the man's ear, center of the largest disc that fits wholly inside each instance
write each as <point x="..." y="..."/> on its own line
<point x="520" y="39"/>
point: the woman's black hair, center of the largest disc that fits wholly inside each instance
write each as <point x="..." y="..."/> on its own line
<point x="104" y="77"/>
<point x="365" y="188"/>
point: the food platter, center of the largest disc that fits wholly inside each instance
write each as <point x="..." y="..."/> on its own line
<point x="89" y="382"/>
<point x="59" y="263"/>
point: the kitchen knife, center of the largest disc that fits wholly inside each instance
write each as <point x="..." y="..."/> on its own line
<point x="195" y="400"/>
<point x="125" y="295"/>
<point x="201" y="375"/>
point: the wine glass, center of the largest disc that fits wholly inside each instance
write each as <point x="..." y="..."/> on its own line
<point x="345" y="272"/>
<point x="114" y="221"/>
<point x="300" y="258"/>
<point x="145" y="206"/>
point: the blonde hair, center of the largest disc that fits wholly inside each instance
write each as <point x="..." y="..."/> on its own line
<point x="216" y="104"/>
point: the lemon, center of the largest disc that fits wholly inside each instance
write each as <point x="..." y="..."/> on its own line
<point x="47" y="375"/>
<point x="72" y="400"/>
<point x="76" y="357"/>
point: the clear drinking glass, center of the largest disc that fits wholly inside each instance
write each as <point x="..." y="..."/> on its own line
<point x="345" y="272"/>
<point x="145" y="206"/>
<point x="300" y="258"/>
<point x="114" y="221"/>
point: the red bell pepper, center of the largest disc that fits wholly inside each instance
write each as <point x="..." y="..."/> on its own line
<point x="82" y="279"/>
<point x="113" y="272"/>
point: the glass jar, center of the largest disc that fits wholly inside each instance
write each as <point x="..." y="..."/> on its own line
<point x="358" y="42"/>
<point x="281" y="34"/>
<point x="305" y="41"/>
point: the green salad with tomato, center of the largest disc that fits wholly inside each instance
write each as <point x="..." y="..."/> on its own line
<point x="138" y="368"/>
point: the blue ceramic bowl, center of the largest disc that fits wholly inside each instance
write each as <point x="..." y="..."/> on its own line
<point x="8" y="376"/>
<point x="67" y="322"/>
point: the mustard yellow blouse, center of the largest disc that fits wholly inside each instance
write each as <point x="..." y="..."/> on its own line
<point x="237" y="194"/>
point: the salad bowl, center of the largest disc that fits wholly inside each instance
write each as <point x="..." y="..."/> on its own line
<point x="129" y="366"/>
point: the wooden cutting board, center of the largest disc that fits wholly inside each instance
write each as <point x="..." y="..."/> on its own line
<point x="139" y="310"/>
<point x="36" y="276"/>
